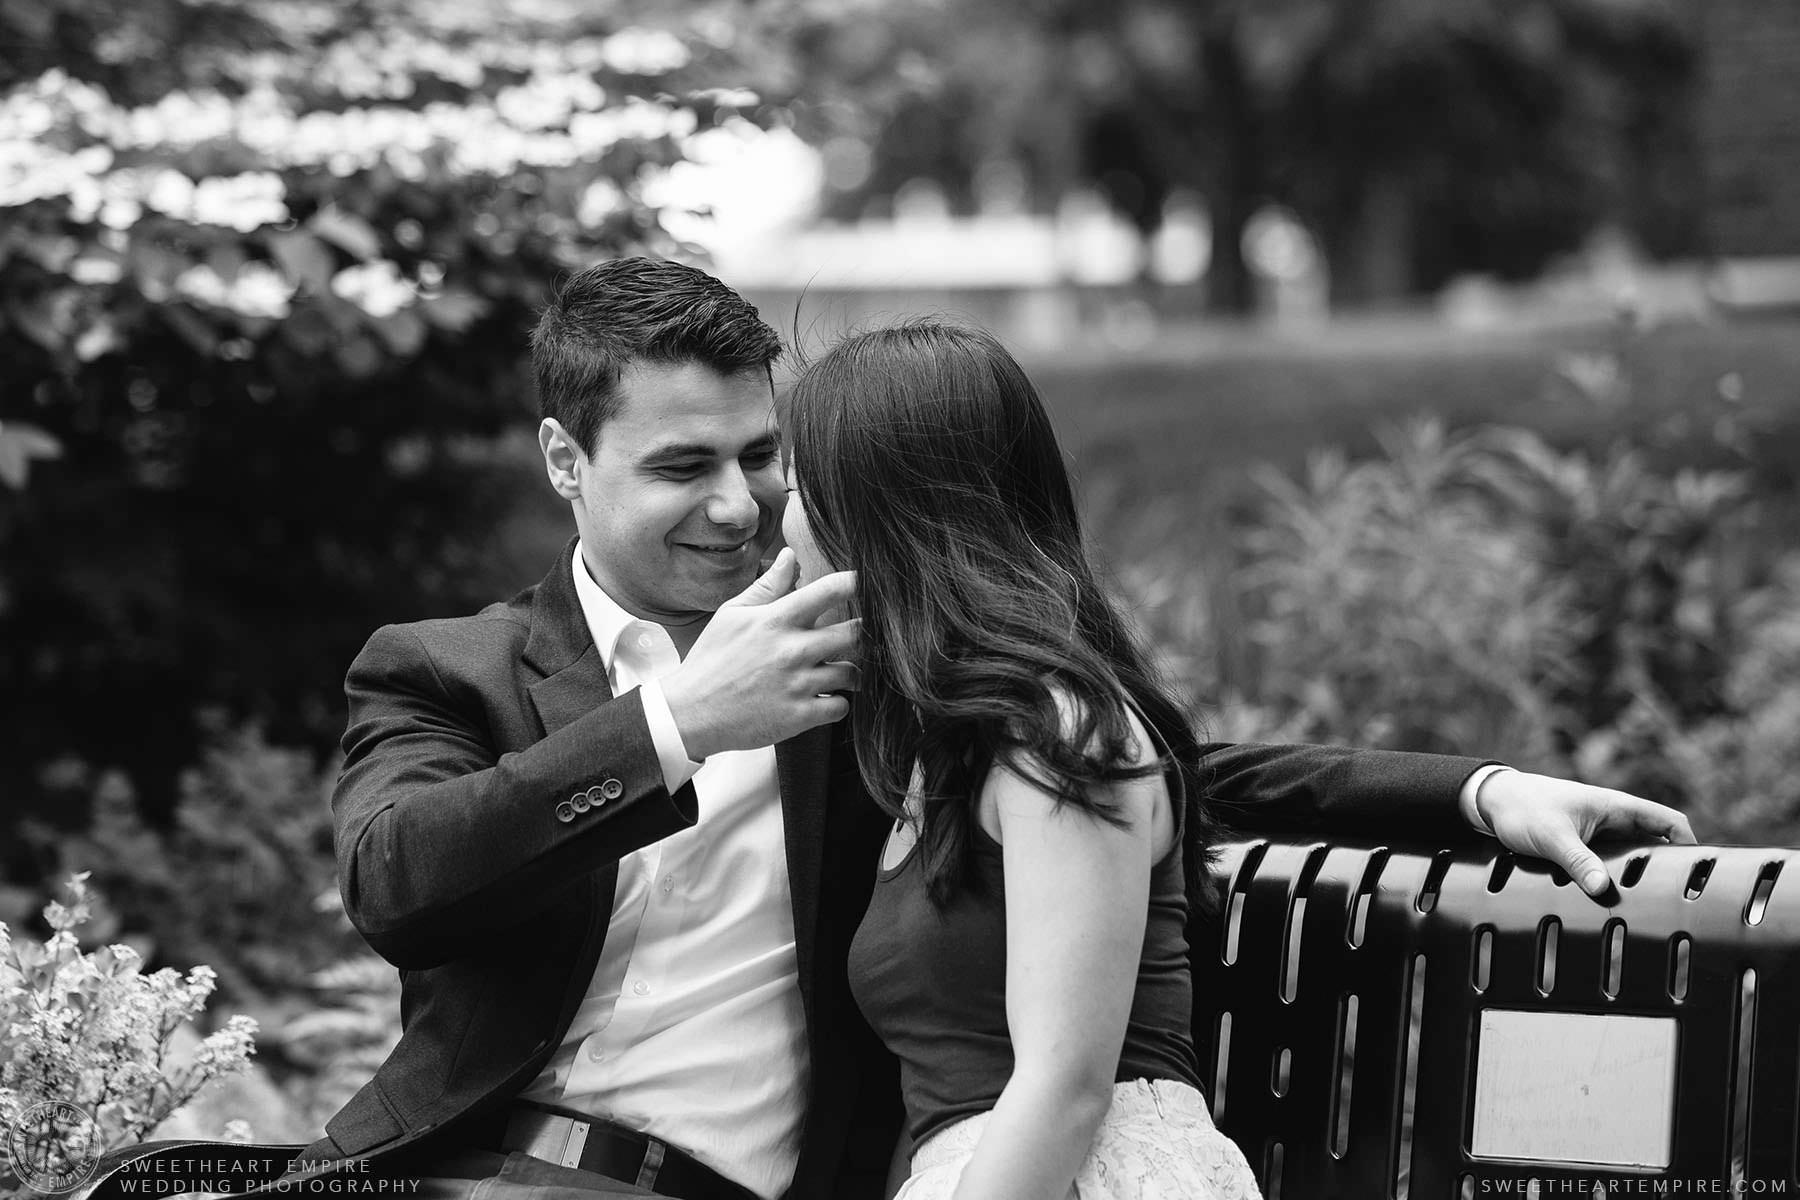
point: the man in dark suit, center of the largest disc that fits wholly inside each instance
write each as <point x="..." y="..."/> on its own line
<point x="612" y="834"/>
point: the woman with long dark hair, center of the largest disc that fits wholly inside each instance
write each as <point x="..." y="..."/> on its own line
<point x="1024" y="954"/>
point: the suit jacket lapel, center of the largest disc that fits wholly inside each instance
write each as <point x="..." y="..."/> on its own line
<point x="571" y="692"/>
<point x="560" y="646"/>
<point x="573" y="682"/>
<point x="800" y="766"/>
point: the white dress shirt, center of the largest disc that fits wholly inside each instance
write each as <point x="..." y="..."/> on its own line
<point x="692" y="1028"/>
<point x="1465" y="800"/>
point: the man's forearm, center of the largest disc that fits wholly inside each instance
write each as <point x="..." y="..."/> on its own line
<point x="440" y="837"/>
<point x="1335" y="789"/>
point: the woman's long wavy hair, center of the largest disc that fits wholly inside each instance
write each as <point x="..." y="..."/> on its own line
<point x="927" y="464"/>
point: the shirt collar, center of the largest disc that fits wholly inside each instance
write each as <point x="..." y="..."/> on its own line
<point x="606" y="620"/>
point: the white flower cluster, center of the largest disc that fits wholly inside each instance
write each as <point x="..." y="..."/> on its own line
<point x="377" y="288"/>
<point x="385" y="66"/>
<point x="92" y="1030"/>
<point x="552" y="119"/>
<point x="257" y="290"/>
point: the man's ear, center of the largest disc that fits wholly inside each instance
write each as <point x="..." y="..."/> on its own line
<point x="563" y="460"/>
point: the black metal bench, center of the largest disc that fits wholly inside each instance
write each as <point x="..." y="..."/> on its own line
<point x="1384" y="1021"/>
<point x="1377" y="1020"/>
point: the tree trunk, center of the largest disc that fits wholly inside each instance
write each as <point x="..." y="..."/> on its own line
<point x="1234" y="184"/>
<point x="1371" y="259"/>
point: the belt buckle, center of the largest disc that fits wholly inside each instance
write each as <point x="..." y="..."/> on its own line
<point x="552" y="1137"/>
<point x="575" y="1144"/>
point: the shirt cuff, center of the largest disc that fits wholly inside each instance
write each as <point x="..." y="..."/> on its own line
<point x="1470" y="789"/>
<point x="677" y="767"/>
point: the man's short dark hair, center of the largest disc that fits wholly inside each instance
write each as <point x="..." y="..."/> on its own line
<point x="637" y="309"/>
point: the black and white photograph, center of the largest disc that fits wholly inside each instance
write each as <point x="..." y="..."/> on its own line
<point x="899" y="599"/>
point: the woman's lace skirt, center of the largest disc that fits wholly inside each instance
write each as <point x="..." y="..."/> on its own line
<point x="1157" y="1142"/>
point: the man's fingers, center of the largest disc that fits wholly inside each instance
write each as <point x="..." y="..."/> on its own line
<point x="1561" y="844"/>
<point x="1569" y="852"/>
<point x="837" y="677"/>
<point x="772" y="584"/>
<point x="1665" y="821"/>
<point x="829" y="709"/>
<point x="1634" y="814"/>
<point x="819" y="597"/>
<point x="832" y="643"/>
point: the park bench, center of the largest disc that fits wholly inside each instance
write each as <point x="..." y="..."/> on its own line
<point x="1384" y="1021"/>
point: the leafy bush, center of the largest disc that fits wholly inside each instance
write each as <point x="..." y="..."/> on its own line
<point x="352" y="1022"/>
<point x="1736" y="770"/>
<point x="1396" y="605"/>
<point x="1487" y="594"/>
<point x="237" y="881"/>
<point x="246" y="879"/>
<point x="93" y="1031"/>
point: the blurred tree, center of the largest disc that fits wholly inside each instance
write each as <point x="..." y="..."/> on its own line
<point x="266" y="272"/>
<point x="1421" y="138"/>
<point x="1427" y="140"/>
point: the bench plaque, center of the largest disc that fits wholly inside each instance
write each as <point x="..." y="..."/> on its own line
<point x="1575" y="1088"/>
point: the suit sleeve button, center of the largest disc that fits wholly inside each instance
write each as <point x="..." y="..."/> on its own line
<point x="595" y="797"/>
<point x="565" y="812"/>
<point x="612" y="789"/>
<point x="579" y="802"/>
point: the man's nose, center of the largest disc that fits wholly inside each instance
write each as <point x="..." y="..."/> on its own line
<point x="732" y="504"/>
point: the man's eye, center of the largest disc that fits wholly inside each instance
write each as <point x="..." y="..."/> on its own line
<point x="680" y="471"/>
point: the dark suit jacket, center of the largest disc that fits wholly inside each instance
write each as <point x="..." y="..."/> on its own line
<point x="464" y="737"/>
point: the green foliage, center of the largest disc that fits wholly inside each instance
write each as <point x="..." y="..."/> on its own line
<point x="246" y="879"/>
<point x="351" y="1023"/>
<point x="91" y="1030"/>
<point x="266" y="274"/>
<point x="19" y="444"/>
<point x="237" y="881"/>
<point x="1596" y="615"/>
<point x="1395" y="604"/>
<point x="1734" y="770"/>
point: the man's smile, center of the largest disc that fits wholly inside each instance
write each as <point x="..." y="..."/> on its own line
<point x="725" y="553"/>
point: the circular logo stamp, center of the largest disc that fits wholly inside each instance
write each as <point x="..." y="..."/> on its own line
<point x="52" y="1146"/>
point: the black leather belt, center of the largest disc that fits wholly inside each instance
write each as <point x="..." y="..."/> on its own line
<point x="612" y="1150"/>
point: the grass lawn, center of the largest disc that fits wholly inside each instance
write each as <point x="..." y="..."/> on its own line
<point x="1194" y="415"/>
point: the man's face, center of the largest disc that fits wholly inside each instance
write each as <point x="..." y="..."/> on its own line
<point x="683" y="494"/>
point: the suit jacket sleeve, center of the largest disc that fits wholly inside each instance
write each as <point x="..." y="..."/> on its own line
<point x="443" y="840"/>
<point x="1335" y="789"/>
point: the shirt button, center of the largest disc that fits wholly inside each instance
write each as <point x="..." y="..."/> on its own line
<point x="595" y="1053"/>
<point x="641" y="988"/>
<point x="668" y="884"/>
<point x="644" y="641"/>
